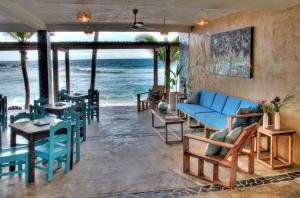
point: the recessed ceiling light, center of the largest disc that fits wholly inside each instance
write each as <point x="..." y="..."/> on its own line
<point x="84" y="16"/>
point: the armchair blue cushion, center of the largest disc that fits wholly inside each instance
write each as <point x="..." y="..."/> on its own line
<point x="230" y="138"/>
<point x="212" y="149"/>
<point x="219" y="102"/>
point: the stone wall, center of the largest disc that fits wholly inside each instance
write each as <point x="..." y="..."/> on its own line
<point x="276" y="62"/>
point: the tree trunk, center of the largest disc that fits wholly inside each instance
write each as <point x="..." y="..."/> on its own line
<point x="25" y="77"/>
<point x="94" y="63"/>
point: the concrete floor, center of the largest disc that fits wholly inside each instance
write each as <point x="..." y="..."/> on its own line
<point x="122" y="155"/>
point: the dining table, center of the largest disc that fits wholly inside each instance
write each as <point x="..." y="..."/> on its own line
<point x="58" y="108"/>
<point x="32" y="132"/>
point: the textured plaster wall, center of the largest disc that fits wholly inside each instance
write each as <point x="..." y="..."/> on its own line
<point x="276" y="62"/>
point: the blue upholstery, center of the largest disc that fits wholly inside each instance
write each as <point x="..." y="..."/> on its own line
<point x="231" y="106"/>
<point x="214" y="108"/>
<point x="214" y="119"/>
<point x="207" y="98"/>
<point x="219" y="102"/>
<point x="192" y="109"/>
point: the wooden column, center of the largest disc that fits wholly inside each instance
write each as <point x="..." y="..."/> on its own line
<point x="55" y="74"/>
<point x="67" y="63"/>
<point x="167" y="71"/>
<point x="44" y="61"/>
<point x="155" y="68"/>
<point x="94" y="63"/>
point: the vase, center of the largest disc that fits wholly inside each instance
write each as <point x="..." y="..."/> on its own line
<point x="277" y="121"/>
<point x="162" y="106"/>
<point x="265" y="120"/>
<point x="172" y="100"/>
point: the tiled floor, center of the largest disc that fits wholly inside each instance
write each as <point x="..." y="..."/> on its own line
<point x="123" y="157"/>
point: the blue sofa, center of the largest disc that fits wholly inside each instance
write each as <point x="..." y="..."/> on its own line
<point x="216" y="111"/>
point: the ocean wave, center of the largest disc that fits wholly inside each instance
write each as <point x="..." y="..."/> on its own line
<point x="115" y="71"/>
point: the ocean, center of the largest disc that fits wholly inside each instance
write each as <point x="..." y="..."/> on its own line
<point x="118" y="80"/>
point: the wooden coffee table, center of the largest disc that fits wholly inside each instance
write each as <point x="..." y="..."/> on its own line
<point x="166" y="120"/>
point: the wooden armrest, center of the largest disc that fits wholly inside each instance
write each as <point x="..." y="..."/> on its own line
<point x="203" y="139"/>
<point x="246" y="115"/>
<point x="143" y="93"/>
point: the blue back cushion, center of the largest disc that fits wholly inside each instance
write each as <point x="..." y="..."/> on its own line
<point x="207" y="98"/>
<point x="219" y="102"/>
<point x="231" y="106"/>
<point x="254" y="109"/>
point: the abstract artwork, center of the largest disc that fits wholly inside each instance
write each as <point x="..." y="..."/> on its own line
<point x="231" y="53"/>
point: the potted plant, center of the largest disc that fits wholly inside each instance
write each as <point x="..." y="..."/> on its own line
<point x="173" y="82"/>
<point x="278" y="104"/>
<point x="266" y="109"/>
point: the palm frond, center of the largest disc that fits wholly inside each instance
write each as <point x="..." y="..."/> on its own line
<point x="21" y="36"/>
<point x="145" y="38"/>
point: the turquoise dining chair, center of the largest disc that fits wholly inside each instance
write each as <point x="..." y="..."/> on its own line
<point x="3" y="113"/>
<point x="14" y="156"/>
<point x="25" y="117"/>
<point x="80" y="108"/>
<point x="37" y="111"/>
<point x="58" y="148"/>
<point x="93" y="105"/>
<point x="74" y="118"/>
<point x="63" y="95"/>
<point x="41" y="101"/>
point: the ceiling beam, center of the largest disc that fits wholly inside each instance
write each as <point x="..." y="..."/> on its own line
<point x="24" y="15"/>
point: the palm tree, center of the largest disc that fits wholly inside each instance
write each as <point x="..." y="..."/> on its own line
<point x="175" y="53"/>
<point x="22" y="37"/>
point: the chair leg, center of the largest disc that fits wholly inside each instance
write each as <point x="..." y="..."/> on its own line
<point x="200" y="167"/>
<point x="0" y="171"/>
<point x="20" y="167"/>
<point x="59" y="161"/>
<point x="84" y="131"/>
<point x="50" y="169"/>
<point x="215" y="172"/>
<point x="233" y="169"/>
<point x="78" y="147"/>
<point x="98" y="114"/>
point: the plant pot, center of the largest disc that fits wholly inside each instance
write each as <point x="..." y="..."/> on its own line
<point x="172" y="100"/>
<point x="277" y="121"/>
<point x="265" y="120"/>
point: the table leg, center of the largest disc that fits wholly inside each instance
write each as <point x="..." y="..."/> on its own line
<point x="12" y="144"/>
<point x="166" y="135"/>
<point x="152" y="120"/>
<point x="258" y="144"/>
<point x="275" y="146"/>
<point x="31" y="153"/>
<point x="272" y="152"/>
<point x="290" y="150"/>
<point x="181" y="128"/>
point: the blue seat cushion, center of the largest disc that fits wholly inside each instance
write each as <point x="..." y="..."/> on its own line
<point x="212" y="149"/>
<point x="219" y="102"/>
<point x="231" y="106"/>
<point x="207" y="98"/>
<point x="192" y="109"/>
<point x="215" y="120"/>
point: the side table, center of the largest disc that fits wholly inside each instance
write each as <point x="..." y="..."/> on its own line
<point x="273" y="135"/>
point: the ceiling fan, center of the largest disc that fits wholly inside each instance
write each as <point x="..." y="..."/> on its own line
<point x="136" y="24"/>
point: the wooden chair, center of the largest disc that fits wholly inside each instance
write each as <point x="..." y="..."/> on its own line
<point x="143" y="104"/>
<point x="230" y="160"/>
<point x="93" y="105"/>
<point x="58" y="148"/>
<point x="80" y="108"/>
<point x="74" y="118"/>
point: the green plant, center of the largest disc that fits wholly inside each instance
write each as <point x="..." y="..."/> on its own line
<point x="264" y="106"/>
<point x="278" y="103"/>
<point x="173" y="82"/>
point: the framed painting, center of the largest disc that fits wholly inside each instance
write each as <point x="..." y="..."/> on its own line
<point x="231" y="53"/>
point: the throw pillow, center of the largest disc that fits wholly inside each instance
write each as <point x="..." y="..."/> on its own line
<point x="231" y="138"/>
<point x="237" y="122"/>
<point x="193" y="97"/>
<point x="212" y="149"/>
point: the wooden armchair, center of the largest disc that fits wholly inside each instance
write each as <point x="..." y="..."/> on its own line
<point x="143" y="104"/>
<point x="230" y="160"/>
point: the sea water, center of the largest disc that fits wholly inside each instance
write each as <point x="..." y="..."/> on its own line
<point x="118" y="80"/>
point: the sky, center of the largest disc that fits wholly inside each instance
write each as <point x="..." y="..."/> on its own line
<point x="87" y="54"/>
